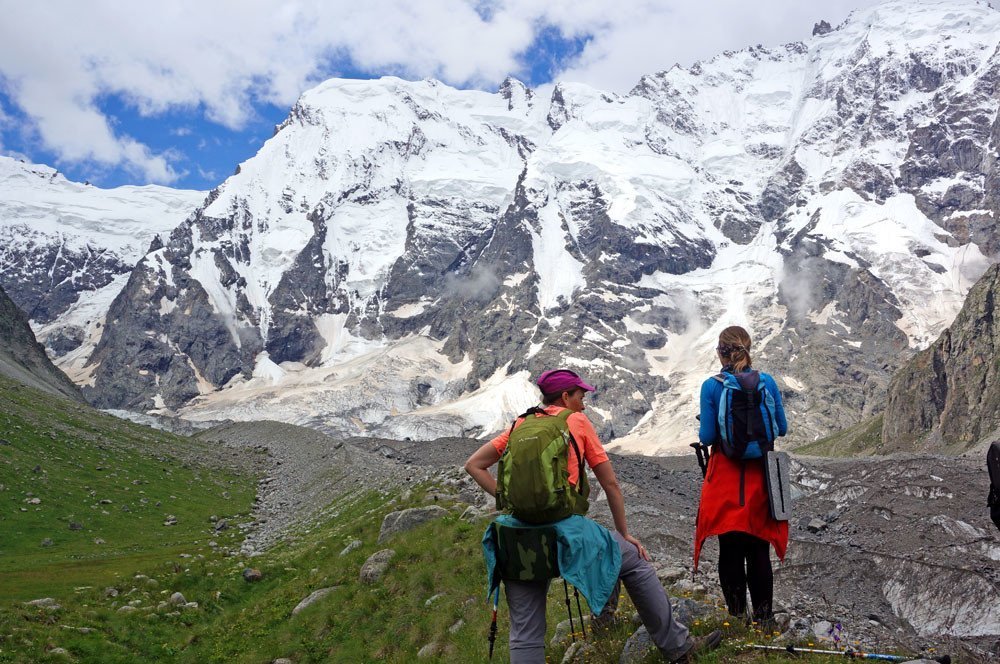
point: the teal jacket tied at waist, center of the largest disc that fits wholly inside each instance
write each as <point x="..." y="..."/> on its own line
<point x="589" y="557"/>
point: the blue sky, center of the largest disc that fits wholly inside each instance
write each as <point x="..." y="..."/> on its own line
<point x="182" y="92"/>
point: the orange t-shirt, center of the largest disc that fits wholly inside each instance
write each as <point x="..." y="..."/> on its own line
<point x="583" y="433"/>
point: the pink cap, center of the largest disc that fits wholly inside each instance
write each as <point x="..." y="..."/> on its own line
<point x="555" y="381"/>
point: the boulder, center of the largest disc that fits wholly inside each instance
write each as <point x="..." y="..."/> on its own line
<point x="561" y="634"/>
<point x="315" y="596"/>
<point x="430" y="650"/>
<point x="354" y="544"/>
<point x="45" y="603"/>
<point x="816" y="525"/>
<point x="637" y="647"/>
<point x="376" y="565"/>
<point x="579" y="653"/>
<point x="178" y="599"/>
<point x="404" y="520"/>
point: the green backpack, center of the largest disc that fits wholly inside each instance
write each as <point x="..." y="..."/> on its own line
<point x="533" y="474"/>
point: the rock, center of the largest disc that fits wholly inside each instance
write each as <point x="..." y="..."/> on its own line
<point x="816" y="525"/>
<point x="221" y="525"/>
<point x="433" y="599"/>
<point x="111" y="592"/>
<point x="687" y="610"/>
<point x="470" y="513"/>
<point x="127" y="609"/>
<point x="404" y="520"/>
<point x="670" y="575"/>
<point x="315" y="596"/>
<point x="98" y="540"/>
<point x="45" y="603"/>
<point x="822" y="629"/>
<point x="191" y="605"/>
<point x="33" y="501"/>
<point x="73" y="525"/>
<point x="282" y="660"/>
<point x="47" y="542"/>
<point x="376" y="565"/>
<point x="688" y="586"/>
<point x="59" y="651"/>
<point x="578" y="653"/>
<point x="430" y="650"/>
<point x="562" y="631"/>
<point x="251" y="574"/>
<point x="457" y="626"/>
<point x="171" y="520"/>
<point x="637" y="647"/>
<point x="354" y="544"/>
<point x="178" y="599"/>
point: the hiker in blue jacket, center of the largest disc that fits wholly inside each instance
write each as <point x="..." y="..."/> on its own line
<point x="589" y="556"/>
<point x="734" y="503"/>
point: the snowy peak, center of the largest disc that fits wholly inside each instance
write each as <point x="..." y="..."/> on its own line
<point x="66" y="249"/>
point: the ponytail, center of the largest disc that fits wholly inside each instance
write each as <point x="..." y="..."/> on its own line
<point x="734" y="348"/>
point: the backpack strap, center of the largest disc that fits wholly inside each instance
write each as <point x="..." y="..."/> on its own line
<point x="564" y="415"/>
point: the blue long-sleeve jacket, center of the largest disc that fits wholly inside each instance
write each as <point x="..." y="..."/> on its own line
<point x="711" y="393"/>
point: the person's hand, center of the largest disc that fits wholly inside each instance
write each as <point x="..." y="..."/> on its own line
<point x="638" y="545"/>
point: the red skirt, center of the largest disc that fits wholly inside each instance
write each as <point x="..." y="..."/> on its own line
<point x="720" y="511"/>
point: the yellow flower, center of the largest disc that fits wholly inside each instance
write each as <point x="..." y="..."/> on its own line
<point x="725" y="624"/>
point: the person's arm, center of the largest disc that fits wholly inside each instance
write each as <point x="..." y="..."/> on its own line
<point x="779" y="408"/>
<point x="708" y="422"/>
<point x="478" y="466"/>
<point x="605" y="475"/>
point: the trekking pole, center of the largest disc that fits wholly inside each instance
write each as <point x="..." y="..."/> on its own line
<point x="579" y="612"/>
<point x="569" y="610"/>
<point x="699" y="451"/>
<point x="851" y="654"/>
<point x="493" y="624"/>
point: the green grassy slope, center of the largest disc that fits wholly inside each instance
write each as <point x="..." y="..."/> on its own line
<point x="84" y="496"/>
<point x="862" y="439"/>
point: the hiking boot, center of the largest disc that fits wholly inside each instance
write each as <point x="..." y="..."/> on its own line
<point x="700" y="644"/>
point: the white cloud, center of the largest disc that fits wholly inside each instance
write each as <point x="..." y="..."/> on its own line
<point x="61" y="56"/>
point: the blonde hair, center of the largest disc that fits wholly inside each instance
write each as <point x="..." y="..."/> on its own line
<point x="734" y="347"/>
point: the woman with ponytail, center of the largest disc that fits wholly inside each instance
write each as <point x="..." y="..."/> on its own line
<point x="734" y="501"/>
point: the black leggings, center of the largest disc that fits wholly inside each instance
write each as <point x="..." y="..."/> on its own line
<point x="745" y="562"/>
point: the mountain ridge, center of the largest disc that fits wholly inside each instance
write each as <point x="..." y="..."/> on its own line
<point x="401" y="257"/>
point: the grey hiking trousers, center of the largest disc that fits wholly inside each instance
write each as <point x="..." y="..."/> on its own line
<point x="526" y="603"/>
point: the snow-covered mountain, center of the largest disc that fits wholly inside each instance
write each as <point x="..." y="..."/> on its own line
<point x="66" y="249"/>
<point x="401" y="256"/>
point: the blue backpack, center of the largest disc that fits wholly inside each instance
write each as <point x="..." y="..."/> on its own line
<point x="747" y="425"/>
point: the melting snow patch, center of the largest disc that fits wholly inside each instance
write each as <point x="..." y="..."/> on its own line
<point x="409" y="310"/>
<point x="266" y="370"/>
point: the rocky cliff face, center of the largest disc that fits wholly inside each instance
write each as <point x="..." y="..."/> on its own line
<point x="948" y="395"/>
<point x="401" y="256"/>
<point x="23" y="358"/>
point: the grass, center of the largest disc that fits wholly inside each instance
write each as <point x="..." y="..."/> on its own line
<point x="864" y="438"/>
<point x="104" y="489"/>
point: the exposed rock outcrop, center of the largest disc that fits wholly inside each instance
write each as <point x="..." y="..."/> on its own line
<point x="23" y="359"/>
<point x="948" y="396"/>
